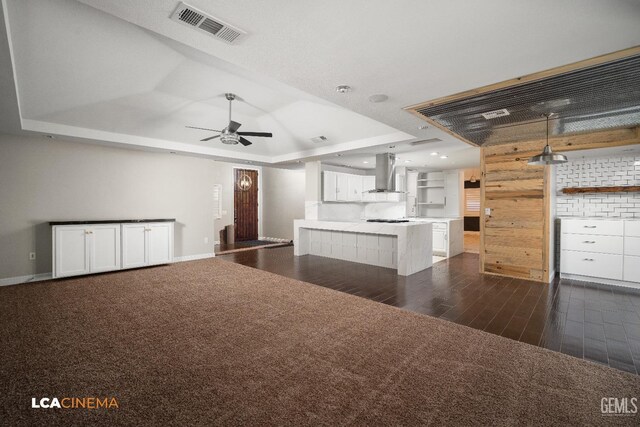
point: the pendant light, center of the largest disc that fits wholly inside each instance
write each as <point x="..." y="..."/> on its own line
<point x="548" y="157"/>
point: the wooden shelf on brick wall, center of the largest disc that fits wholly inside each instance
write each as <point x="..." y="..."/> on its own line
<point x="618" y="189"/>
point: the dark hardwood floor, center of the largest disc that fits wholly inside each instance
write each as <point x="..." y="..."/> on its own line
<point x="596" y="322"/>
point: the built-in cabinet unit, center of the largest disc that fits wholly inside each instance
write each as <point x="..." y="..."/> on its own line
<point x="93" y="248"/>
<point x="434" y="194"/>
<point x="85" y="249"/>
<point x="601" y="250"/>
<point x="351" y="188"/>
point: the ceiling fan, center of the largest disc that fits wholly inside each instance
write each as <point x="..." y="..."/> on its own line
<point x="230" y="134"/>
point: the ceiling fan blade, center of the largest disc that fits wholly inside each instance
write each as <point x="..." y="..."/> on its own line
<point x="210" y="138"/>
<point x="265" y="134"/>
<point x="193" y="127"/>
<point x="245" y="141"/>
<point x="233" y="126"/>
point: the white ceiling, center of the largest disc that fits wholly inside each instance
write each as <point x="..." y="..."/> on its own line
<point x="93" y="75"/>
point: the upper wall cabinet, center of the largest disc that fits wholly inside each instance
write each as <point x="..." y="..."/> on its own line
<point x="344" y="187"/>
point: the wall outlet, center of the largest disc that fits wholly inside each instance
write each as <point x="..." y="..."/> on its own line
<point x="32" y="256"/>
<point x="487" y="211"/>
<point x="224" y="212"/>
<point x="206" y="240"/>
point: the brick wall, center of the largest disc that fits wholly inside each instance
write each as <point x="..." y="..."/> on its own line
<point x="599" y="172"/>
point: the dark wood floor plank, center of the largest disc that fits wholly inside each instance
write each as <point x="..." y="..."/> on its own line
<point x="596" y="322"/>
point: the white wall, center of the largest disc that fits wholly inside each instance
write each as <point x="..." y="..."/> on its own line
<point x="598" y="172"/>
<point x="43" y="180"/>
<point x="283" y="201"/>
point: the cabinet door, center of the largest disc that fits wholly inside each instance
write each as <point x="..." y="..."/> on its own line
<point x="412" y="184"/>
<point x="160" y="242"/>
<point x="342" y="187"/>
<point x="329" y="186"/>
<point x="105" y="247"/>
<point x="134" y="252"/>
<point x="71" y="256"/>
<point x="355" y="188"/>
<point x="368" y="183"/>
<point x="439" y="241"/>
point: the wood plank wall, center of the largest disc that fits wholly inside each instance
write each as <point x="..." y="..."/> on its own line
<point x="514" y="239"/>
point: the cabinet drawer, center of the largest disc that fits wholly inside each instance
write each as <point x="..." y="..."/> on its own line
<point x="632" y="246"/>
<point x="592" y="243"/>
<point x="591" y="264"/>
<point x="632" y="268"/>
<point x="439" y="226"/>
<point x="632" y="228"/>
<point x="589" y="226"/>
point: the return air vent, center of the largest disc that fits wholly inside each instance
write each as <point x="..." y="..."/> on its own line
<point x="215" y="27"/>
<point x="426" y="141"/>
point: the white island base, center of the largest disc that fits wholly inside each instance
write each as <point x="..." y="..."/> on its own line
<point x="406" y="247"/>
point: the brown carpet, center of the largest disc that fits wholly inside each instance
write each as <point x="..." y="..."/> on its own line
<point x="215" y="343"/>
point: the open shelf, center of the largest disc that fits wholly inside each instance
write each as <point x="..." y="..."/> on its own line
<point x="618" y="189"/>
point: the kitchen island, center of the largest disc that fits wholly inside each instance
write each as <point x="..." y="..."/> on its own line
<point x="405" y="246"/>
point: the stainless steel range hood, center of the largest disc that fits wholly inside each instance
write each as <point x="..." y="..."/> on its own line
<point x="385" y="174"/>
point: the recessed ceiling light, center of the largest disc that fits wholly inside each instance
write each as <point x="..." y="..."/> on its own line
<point x="423" y="127"/>
<point x="435" y="153"/>
<point x="365" y="162"/>
<point x="407" y="161"/>
<point x="379" y="97"/>
<point x="444" y="157"/>
<point x="343" y="89"/>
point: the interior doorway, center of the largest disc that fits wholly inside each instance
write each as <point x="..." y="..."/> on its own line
<point x="245" y="204"/>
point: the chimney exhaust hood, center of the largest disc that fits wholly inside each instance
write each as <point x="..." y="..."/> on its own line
<point x="385" y="174"/>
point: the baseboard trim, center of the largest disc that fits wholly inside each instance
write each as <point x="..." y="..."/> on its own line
<point x="25" y="279"/>
<point x="193" y="257"/>
<point x="19" y="280"/>
<point x="603" y="281"/>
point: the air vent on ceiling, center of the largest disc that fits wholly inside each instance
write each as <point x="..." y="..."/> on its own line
<point x="495" y="114"/>
<point x="426" y="141"/>
<point x="195" y="18"/>
<point x="318" y="139"/>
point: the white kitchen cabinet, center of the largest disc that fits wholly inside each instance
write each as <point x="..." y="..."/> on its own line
<point x="439" y="238"/>
<point x="342" y="187"/>
<point x="329" y="186"/>
<point x="368" y="184"/>
<point x="147" y="244"/>
<point x="84" y="249"/>
<point x="354" y="188"/>
<point x="600" y="250"/>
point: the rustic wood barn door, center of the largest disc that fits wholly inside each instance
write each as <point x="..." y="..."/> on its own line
<point x="245" y="198"/>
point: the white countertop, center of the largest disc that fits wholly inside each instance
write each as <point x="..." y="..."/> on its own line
<point x="361" y="226"/>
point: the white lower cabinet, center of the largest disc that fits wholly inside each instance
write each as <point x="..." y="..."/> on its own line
<point x="85" y="249"/>
<point x="601" y="250"/>
<point x="146" y="244"/>
<point x="439" y="240"/>
<point x="79" y="249"/>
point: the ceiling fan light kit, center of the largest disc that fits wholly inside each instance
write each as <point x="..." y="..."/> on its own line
<point x="230" y="135"/>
